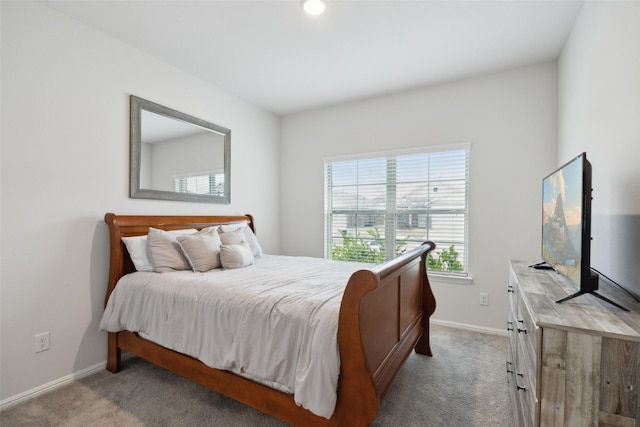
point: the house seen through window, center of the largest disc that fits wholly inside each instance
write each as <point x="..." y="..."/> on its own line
<point x="380" y="206"/>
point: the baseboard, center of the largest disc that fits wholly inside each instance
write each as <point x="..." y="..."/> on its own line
<point x="30" y="394"/>
<point x="50" y="386"/>
<point x="468" y="327"/>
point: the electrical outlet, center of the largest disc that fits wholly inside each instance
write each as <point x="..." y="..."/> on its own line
<point x="484" y="299"/>
<point x="42" y="342"/>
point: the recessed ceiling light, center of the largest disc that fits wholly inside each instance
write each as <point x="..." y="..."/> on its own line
<point x="314" y="7"/>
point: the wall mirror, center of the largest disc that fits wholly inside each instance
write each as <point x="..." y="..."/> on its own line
<point x="175" y="156"/>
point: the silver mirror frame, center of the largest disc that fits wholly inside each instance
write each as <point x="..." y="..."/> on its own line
<point x="139" y="104"/>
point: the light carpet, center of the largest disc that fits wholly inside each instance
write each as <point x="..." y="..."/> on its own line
<point x="463" y="385"/>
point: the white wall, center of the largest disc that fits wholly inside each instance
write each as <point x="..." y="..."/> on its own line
<point x="65" y="162"/>
<point x="509" y="117"/>
<point x="599" y="112"/>
<point x="173" y="158"/>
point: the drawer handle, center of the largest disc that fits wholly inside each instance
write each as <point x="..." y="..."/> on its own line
<point x="509" y="369"/>
<point x="523" y="329"/>
<point x="510" y="289"/>
<point x="518" y="386"/>
<point x="509" y="326"/>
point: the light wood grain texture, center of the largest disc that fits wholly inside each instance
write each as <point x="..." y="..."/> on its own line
<point x="553" y="377"/>
<point x="555" y="346"/>
<point x="552" y="403"/>
<point x="582" y="374"/>
<point x="619" y="377"/>
<point x="587" y="351"/>
<point x="611" y="420"/>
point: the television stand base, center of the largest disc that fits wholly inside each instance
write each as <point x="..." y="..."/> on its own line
<point x="595" y="294"/>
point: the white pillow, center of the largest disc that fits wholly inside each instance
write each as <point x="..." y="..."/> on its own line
<point x="137" y="248"/>
<point x="234" y="237"/>
<point x="235" y="256"/>
<point x="249" y="235"/>
<point x="202" y="249"/>
<point x="164" y="251"/>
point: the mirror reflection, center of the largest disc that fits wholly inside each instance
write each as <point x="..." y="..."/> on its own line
<point x="176" y="156"/>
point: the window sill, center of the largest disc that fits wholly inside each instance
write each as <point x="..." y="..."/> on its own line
<point x="443" y="278"/>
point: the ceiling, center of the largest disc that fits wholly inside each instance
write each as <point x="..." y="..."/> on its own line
<point x="272" y="54"/>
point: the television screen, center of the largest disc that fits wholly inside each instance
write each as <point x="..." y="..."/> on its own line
<point x="566" y="227"/>
<point x="563" y="219"/>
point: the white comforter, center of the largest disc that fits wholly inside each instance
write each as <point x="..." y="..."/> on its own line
<point x="275" y="321"/>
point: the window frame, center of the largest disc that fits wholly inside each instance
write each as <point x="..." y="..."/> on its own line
<point x="391" y="212"/>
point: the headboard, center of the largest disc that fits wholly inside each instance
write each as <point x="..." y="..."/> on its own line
<point x="136" y="225"/>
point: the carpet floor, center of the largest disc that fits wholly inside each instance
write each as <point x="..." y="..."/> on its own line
<point x="463" y="385"/>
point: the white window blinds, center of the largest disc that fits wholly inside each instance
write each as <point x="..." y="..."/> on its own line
<point x="379" y="206"/>
<point x="210" y="183"/>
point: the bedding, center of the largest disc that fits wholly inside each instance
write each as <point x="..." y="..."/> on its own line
<point x="275" y="321"/>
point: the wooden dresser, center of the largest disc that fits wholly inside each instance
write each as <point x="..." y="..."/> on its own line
<point x="575" y="363"/>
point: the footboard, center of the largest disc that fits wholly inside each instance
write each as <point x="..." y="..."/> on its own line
<point x="384" y="315"/>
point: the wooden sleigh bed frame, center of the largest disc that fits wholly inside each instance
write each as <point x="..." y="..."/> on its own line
<point x="384" y="315"/>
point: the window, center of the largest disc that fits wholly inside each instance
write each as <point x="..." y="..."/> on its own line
<point x="381" y="205"/>
<point x="206" y="183"/>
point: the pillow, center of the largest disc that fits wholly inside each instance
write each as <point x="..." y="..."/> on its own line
<point x="235" y="256"/>
<point x="202" y="249"/>
<point x="137" y="248"/>
<point x="234" y="237"/>
<point x="249" y="236"/>
<point x="164" y="251"/>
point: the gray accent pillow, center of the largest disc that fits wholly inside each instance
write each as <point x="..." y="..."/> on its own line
<point x="232" y="237"/>
<point x="249" y="235"/>
<point x="236" y="256"/>
<point x="164" y="251"/>
<point x="137" y="248"/>
<point x="202" y="249"/>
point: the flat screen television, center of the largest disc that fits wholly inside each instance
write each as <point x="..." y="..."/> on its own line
<point x="566" y="226"/>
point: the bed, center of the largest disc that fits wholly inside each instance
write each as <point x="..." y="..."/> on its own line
<point x="383" y="316"/>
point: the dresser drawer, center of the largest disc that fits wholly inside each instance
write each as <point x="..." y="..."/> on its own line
<point x="513" y="290"/>
<point x="512" y="330"/>
<point x="515" y="396"/>
<point x="525" y="383"/>
<point x="521" y="360"/>
<point x="527" y="330"/>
